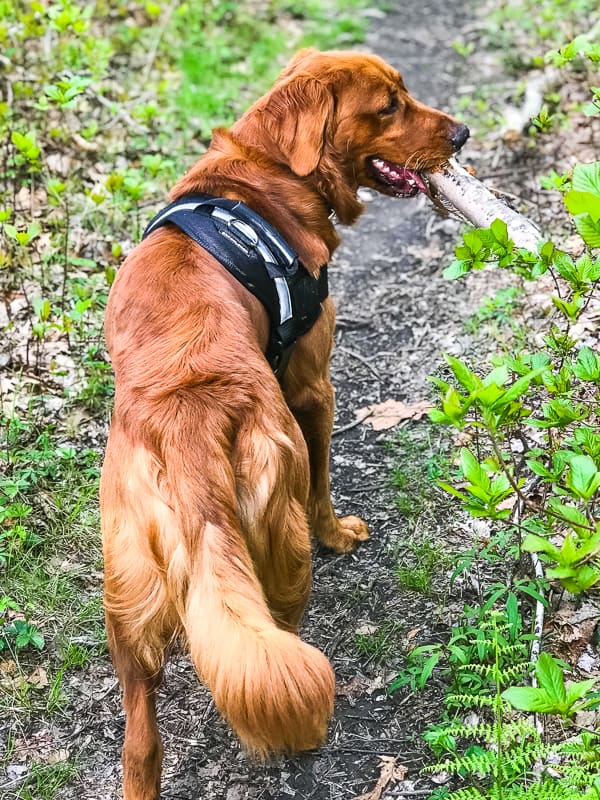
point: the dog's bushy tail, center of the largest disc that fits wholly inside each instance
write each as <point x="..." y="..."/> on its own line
<point x="274" y="690"/>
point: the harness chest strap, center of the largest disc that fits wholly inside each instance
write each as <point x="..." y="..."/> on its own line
<point x="259" y="258"/>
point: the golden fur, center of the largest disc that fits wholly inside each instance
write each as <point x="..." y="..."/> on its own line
<point x="215" y="474"/>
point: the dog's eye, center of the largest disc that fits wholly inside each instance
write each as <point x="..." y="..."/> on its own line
<point x="391" y="107"/>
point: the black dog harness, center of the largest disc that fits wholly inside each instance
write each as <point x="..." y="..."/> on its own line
<point x="261" y="260"/>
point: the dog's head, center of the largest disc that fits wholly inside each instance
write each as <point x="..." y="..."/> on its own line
<point x="347" y="120"/>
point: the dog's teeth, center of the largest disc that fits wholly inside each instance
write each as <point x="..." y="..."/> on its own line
<point x="378" y="163"/>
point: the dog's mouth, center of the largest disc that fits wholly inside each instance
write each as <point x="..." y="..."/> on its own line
<point x="399" y="181"/>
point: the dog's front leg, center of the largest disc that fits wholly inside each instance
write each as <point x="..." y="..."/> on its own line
<point x="310" y="397"/>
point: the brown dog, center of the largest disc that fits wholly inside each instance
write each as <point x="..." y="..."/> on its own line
<point x="216" y="474"/>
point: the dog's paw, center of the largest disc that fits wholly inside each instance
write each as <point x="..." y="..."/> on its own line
<point x="346" y="536"/>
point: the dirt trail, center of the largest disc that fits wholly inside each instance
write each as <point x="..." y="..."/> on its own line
<point x="396" y="315"/>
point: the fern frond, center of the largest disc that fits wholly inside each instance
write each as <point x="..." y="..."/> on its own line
<point x="470" y="793"/>
<point x="512" y="732"/>
<point x="504" y="676"/>
<point x="519" y="760"/>
<point x="478" y="763"/>
<point x="540" y="790"/>
<point x="518" y="730"/>
<point x="483" y="731"/>
<point x="543" y="789"/>
<point x="590" y="751"/>
<point x="580" y="775"/>
<point x="510" y="649"/>
<point x="470" y="700"/>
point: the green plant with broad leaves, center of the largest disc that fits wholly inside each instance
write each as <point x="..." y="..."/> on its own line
<point x="546" y="400"/>
<point x="552" y="695"/>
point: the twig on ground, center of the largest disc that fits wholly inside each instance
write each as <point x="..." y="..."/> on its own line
<point x="119" y="114"/>
<point x="351" y="425"/>
<point x="360" y="358"/>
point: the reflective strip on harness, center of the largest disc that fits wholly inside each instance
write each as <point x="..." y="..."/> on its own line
<point x="259" y="258"/>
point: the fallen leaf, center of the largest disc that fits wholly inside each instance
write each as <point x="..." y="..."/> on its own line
<point x="367" y="628"/>
<point x="58" y="757"/>
<point x="59" y="163"/>
<point x="390" y="771"/>
<point x="575" y="628"/>
<point x="359" y="686"/>
<point x="8" y="667"/>
<point x="383" y="416"/>
<point x="38" y="678"/>
<point x="351" y="688"/>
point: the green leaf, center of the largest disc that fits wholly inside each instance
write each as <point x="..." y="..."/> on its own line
<point x="588" y="230"/>
<point x="518" y="388"/>
<point x="570" y="310"/>
<point x="588" y="439"/>
<point x="427" y="670"/>
<point x="500" y="231"/>
<point x="529" y="590"/>
<point x="586" y="178"/>
<point x="582" y="579"/>
<point x="533" y="543"/>
<point x="587" y="366"/>
<point x="498" y="376"/>
<point x="583" y="203"/>
<point x="457" y="269"/>
<point x="472" y="469"/>
<point x="451" y="490"/>
<point x="539" y="469"/>
<point x="453" y="406"/>
<point x="576" y="519"/>
<point x="550" y="677"/>
<point x="528" y="698"/>
<point x="489" y="396"/>
<point x="575" y="691"/>
<point x="472" y="242"/>
<point x="463" y="374"/>
<point x="583" y="478"/>
<point x="588" y="271"/>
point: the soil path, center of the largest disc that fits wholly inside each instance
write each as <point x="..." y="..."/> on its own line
<point x="396" y="315"/>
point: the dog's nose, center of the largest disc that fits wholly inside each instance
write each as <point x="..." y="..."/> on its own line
<point x="459" y="135"/>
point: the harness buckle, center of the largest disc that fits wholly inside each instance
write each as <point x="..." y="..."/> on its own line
<point x="247" y="234"/>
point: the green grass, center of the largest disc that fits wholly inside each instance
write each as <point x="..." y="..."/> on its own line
<point x="496" y="312"/>
<point x="420" y="461"/>
<point x="50" y="574"/>
<point x="45" y="780"/>
<point x="231" y="52"/>
<point x="379" y="644"/>
<point x="419" y="565"/>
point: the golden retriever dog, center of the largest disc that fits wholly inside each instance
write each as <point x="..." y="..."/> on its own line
<point x="216" y="470"/>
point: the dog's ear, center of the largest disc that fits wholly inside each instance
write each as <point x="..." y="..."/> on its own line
<point x="297" y="114"/>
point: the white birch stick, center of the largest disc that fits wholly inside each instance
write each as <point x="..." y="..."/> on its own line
<point x="480" y="206"/>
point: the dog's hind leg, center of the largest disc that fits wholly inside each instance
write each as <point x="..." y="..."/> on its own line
<point x="311" y="397"/>
<point x="140" y="547"/>
<point x="142" y="748"/>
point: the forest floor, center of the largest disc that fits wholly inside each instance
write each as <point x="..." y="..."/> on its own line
<point x="396" y="316"/>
